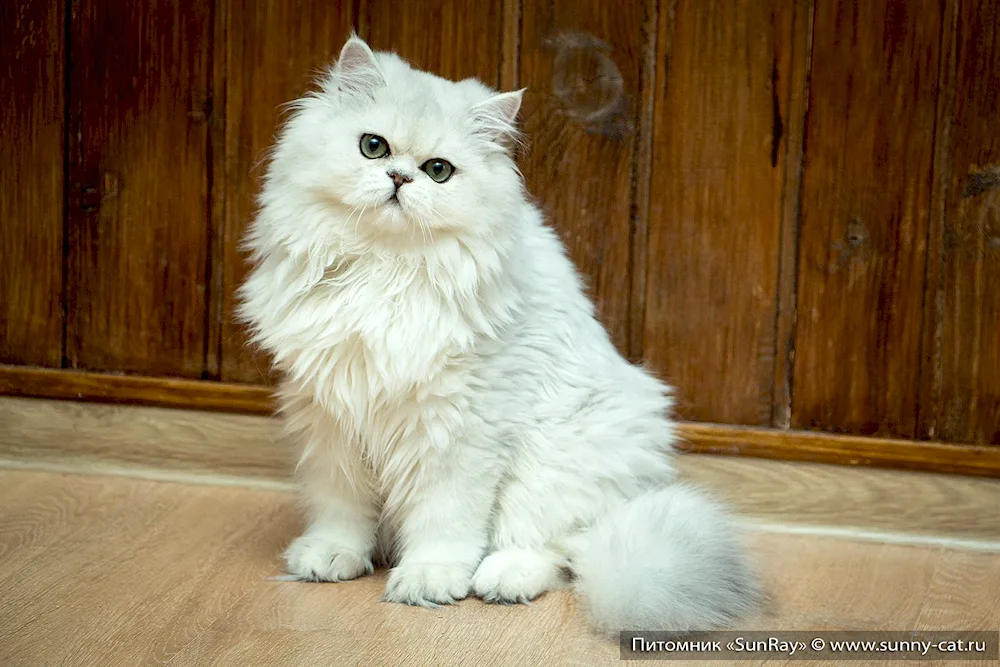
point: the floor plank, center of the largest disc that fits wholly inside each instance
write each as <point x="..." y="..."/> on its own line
<point x="117" y="571"/>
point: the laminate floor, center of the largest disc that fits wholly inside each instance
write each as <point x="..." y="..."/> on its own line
<point x="106" y="571"/>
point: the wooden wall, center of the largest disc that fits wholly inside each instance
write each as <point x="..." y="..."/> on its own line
<point x="790" y="209"/>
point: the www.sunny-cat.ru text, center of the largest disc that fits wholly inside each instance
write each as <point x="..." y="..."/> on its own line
<point x="813" y="646"/>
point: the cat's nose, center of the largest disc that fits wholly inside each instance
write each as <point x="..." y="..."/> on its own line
<point x="398" y="179"/>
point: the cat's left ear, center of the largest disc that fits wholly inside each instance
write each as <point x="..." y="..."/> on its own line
<point x="496" y="117"/>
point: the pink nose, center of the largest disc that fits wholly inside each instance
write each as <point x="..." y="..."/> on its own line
<point x="398" y="179"/>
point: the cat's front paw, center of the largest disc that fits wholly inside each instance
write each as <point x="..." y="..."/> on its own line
<point x="517" y="575"/>
<point x="428" y="584"/>
<point x="317" y="558"/>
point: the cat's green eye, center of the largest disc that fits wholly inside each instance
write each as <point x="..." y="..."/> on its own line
<point x="439" y="170"/>
<point x="374" y="146"/>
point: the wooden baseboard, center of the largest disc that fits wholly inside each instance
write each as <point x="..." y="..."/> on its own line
<point x="768" y="443"/>
<point x="853" y="450"/>
<point x="215" y="447"/>
<point x="135" y="390"/>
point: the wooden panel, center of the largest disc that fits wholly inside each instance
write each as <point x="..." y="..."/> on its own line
<point x="217" y="190"/>
<point x="32" y="86"/>
<point x="719" y="165"/>
<point x="275" y="51"/>
<point x="510" y="67"/>
<point x="455" y="39"/>
<point x="582" y="64"/>
<point x="138" y="217"/>
<point x="642" y="177"/>
<point x="866" y="183"/>
<point x="794" y="132"/>
<point x="962" y="337"/>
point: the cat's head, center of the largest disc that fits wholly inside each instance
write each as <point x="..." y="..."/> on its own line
<point x="383" y="153"/>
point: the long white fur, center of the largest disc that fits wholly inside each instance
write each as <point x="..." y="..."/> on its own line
<point x="461" y="413"/>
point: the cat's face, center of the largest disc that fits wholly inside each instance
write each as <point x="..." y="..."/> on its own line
<point x="395" y="152"/>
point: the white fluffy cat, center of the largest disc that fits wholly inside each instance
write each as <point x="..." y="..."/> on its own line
<point x="462" y="414"/>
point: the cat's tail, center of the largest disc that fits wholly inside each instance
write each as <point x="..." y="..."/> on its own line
<point x="669" y="560"/>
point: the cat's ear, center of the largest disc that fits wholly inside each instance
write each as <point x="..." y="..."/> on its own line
<point x="356" y="72"/>
<point x="496" y="117"/>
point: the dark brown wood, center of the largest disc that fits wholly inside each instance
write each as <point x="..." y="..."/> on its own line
<point x="642" y="175"/>
<point x="866" y="197"/>
<point x="510" y="64"/>
<point x="851" y="450"/>
<point x="791" y="208"/>
<point x="582" y="64"/>
<point x="797" y="105"/>
<point x="276" y="50"/>
<point x="138" y="206"/>
<point x="455" y="39"/>
<point x="135" y="390"/>
<point x="933" y="323"/>
<point x="961" y="368"/>
<point x="719" y="167"/>
<point x="216" y="160"/>
<point x="32" y="101"/>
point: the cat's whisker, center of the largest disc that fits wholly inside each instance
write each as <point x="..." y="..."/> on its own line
<point x="357" y="222"/>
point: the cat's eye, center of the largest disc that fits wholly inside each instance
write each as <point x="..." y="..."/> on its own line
<point x="374" y="146"/>
<point x="439" y="170"/>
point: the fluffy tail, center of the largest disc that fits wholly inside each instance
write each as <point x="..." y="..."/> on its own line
<point x="667" y="560"/>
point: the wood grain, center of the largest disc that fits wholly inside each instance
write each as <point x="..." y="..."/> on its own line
<point x="67" y="436"/>
<point x="138" y="209"/>
<point x="144" y="556"/>
<point x="961" y="369"/>
<point x="510" y="64"/>
<point x="217" y="189"/>
<point x="275" y="51"/>
<point x="116" y="571"/>
<point x="796" y="493"/>
<point x="719" y="167"/>
<point x="847" y="450"/>
<point x="642" y="183"/>
<point x="158" y="442"/>
<point x="135" y="389"/>
<point x="788" y="266"/>
<point x="965" y="580"/>
<point x="582" y="63"/>
<point x="32" y="127"/>
<point x="455" y="39"/>
<point x="866" y="184"/>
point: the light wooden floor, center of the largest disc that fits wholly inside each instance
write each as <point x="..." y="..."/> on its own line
<point x="114" y="571"/>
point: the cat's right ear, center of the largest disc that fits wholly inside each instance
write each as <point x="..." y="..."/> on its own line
<point x="496" y="117"/>
<point x="357" y="72"/>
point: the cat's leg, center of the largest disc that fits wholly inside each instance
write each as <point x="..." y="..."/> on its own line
<point x="445" y="513"/>
<point x="535" y="510"/>
<point x="342" y="510"/>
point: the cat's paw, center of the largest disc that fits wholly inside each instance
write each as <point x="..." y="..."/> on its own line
<point x="428" y="584"/>
<point x="316" y="558"/>
<point x="517" y="575"/>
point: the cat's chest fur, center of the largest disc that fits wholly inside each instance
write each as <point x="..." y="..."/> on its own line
<point x="383" y="345"/>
